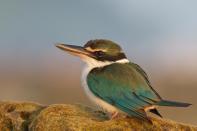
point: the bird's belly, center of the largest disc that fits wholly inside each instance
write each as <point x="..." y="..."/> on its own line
<point x="99" y="102"/>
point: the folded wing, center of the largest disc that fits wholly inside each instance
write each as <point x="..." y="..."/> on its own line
<point x="123" y="86"/>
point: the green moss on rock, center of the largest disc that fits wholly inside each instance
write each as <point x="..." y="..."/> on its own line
<point x="27" y="116"/>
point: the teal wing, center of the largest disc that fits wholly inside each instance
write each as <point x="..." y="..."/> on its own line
<point x="124" y="86"/>
<point x="145" y="76"/>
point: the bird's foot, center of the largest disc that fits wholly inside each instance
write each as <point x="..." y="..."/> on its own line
<point x="114" y="115"/>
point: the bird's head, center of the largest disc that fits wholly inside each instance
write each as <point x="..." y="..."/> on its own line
<point x="96" y="51"/>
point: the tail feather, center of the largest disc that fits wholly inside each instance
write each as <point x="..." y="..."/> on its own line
<point x="156" y="112"/>
<point x="173" y="103"/>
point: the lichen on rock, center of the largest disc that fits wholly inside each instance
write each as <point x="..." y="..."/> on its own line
<point x="28" y="116"/>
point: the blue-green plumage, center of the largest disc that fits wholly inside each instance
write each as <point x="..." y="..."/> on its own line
<point x="123" y="86"/>
<point x="126" y="87"/>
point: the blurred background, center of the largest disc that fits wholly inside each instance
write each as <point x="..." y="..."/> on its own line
<point x="161" y="36"/>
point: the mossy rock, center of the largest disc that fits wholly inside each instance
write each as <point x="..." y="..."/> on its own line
<point x="28" y="116"/>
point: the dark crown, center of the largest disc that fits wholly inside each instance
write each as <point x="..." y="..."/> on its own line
<point x="105" y="50"/>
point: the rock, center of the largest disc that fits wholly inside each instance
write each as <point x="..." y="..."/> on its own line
<point x="16" y="116"/>
<point x="27" y="116"/>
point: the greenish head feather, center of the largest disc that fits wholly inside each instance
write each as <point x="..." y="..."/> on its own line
<point x="105" y="50"/>
<point x="104" y="45"/>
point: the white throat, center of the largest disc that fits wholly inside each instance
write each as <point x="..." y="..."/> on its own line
<point x="92" y="63"/>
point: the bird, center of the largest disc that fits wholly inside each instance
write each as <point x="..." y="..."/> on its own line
<point x="114" y="83"/>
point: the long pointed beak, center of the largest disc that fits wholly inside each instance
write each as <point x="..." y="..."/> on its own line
<point x="74" y="50"/>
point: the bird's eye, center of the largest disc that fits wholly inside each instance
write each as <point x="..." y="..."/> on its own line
<point x="99" y="53"/>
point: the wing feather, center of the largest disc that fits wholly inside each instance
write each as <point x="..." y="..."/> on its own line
<point x="123" y="86"/>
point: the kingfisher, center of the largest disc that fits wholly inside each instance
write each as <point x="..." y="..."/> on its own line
<point x="116" y="84"/>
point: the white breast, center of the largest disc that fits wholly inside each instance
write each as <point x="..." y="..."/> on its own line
<point x="99" y="102"/>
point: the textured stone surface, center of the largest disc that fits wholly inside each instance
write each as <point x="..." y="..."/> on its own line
<point x="27" y="116"/>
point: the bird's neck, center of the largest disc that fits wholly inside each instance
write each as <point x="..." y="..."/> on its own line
<point x="91" y="63"/>
<point x="97" y="64"/>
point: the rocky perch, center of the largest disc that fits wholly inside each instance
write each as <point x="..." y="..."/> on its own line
<point x="27" y="116"/>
